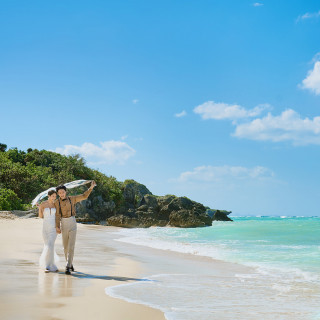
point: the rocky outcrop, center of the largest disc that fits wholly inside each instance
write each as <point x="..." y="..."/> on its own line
<point x="133" y="192"/>
<point x="218" y="215"/>
<point x="163" y="211"/>
<point x="126" y="221"/>
<point x="95" y="209"/>
<point x="186" y="213"/>
<point x="141" y="209"/>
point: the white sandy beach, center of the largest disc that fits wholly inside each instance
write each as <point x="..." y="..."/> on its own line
<point x="29" y="293"/>
<point x="155" y="284"/>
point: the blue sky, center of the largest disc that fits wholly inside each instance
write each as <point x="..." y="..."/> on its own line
<point x="218" y="101"/>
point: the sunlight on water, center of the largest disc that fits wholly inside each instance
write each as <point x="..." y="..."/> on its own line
<point x="269" y="241"/>
<point x="283" y="251"/>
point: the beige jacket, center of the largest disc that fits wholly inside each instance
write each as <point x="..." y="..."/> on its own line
<point x="66" y="208"/>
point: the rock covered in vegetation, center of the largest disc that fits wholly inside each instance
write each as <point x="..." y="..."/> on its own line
<point x="163" y="211"/>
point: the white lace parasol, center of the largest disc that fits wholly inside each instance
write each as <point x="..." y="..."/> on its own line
<point x="68" y="185"/>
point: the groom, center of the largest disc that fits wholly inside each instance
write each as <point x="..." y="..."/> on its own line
<point x="65" y="214"/>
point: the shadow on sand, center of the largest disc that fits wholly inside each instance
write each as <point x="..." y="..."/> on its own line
<point x="82" y="275"/>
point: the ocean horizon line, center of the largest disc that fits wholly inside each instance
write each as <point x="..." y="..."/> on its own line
<point x="273" y="216"/>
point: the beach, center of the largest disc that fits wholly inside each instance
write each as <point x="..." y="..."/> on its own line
<point x="118" y="278"/>
<point x="29" y="293"/>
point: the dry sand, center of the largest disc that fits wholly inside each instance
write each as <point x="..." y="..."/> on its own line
<point x="28" y="293"/>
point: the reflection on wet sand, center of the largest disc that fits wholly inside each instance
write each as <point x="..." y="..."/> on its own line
<point x="57" y="284"/>
<point x="48" y="283"/>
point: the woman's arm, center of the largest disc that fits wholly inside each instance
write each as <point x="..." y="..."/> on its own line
<point x="41" y="210"/>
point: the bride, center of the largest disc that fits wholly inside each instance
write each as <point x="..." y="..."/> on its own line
<point x="47" y="211"/>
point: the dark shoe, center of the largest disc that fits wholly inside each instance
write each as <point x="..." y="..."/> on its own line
<point x="68" y="270"/>
<point x="72" y="268"/>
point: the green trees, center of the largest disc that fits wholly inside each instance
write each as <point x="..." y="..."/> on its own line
<point x="3" y="147"/>
<point x="9" y="200"/>
<point x="25" y="174"/>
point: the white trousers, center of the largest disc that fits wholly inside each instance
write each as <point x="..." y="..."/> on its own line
<point x="69" y="232"/>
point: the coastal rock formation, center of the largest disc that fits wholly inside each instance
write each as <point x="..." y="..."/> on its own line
<point x="133" y="191"/>
<point x="141" y="209"/>
<point x="163" y="211"/>
<point x="95" y="209"/>
<point x="186" y="213"/>
<point x="218" y="215"/>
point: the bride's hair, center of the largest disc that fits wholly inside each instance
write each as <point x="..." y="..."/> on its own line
<point x="51" y="192"/>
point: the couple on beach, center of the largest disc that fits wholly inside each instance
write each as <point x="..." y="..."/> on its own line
<point x="59" y="217"/>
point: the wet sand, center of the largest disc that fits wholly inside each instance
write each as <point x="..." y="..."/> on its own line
<point x="26" y="292"/>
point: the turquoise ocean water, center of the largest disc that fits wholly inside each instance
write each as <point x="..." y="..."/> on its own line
<point x="282" y="252"/>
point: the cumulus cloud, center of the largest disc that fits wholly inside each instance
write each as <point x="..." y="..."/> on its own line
<point x="181" y="114"/>
<point x="108" y="152"/>
<point x="219" y="111"/>
<point x="212" y="173"/>
<point x="288" y="126"/>
<point x="312" y="81"/>
<point x="308" y="15"/>
<point x="257" y="4"/>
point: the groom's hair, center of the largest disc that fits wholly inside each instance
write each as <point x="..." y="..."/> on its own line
<point x="61" y="187"/>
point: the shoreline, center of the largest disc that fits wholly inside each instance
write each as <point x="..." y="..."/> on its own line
<point x="190" y="286"/>
<point x="122" y="280"/>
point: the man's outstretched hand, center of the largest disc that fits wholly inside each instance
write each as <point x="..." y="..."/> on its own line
<point x="93" y="184"/>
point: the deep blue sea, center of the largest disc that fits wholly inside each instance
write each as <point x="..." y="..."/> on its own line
<point x="283" y="252"/>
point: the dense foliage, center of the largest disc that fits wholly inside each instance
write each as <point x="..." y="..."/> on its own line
<point x="25" y="174"/>
<point x="9" y="200"/>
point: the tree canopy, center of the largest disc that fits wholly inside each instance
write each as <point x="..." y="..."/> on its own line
<point x="25" y="174"/>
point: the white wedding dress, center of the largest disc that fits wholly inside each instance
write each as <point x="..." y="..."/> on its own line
<point x="49" y="258"/>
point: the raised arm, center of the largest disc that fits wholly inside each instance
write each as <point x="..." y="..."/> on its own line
<point x="85" y="195"/>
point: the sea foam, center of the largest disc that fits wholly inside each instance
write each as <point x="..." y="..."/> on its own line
<point x="283" y="254"/>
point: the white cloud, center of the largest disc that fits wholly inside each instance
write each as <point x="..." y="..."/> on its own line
<point x="289" y="126"/>
<point x="308" y="15"/>
<point x="257" y="4"/>
<point x="108" y="152"/>
<point x="211" y="173"/>
<point x="135" y="101"/>
<point x="312" y="81"/>
<point x="218" y="111"/>
<point x="181" y="114"/>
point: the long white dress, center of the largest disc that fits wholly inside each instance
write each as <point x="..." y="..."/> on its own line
<point x="49" y="258"/>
